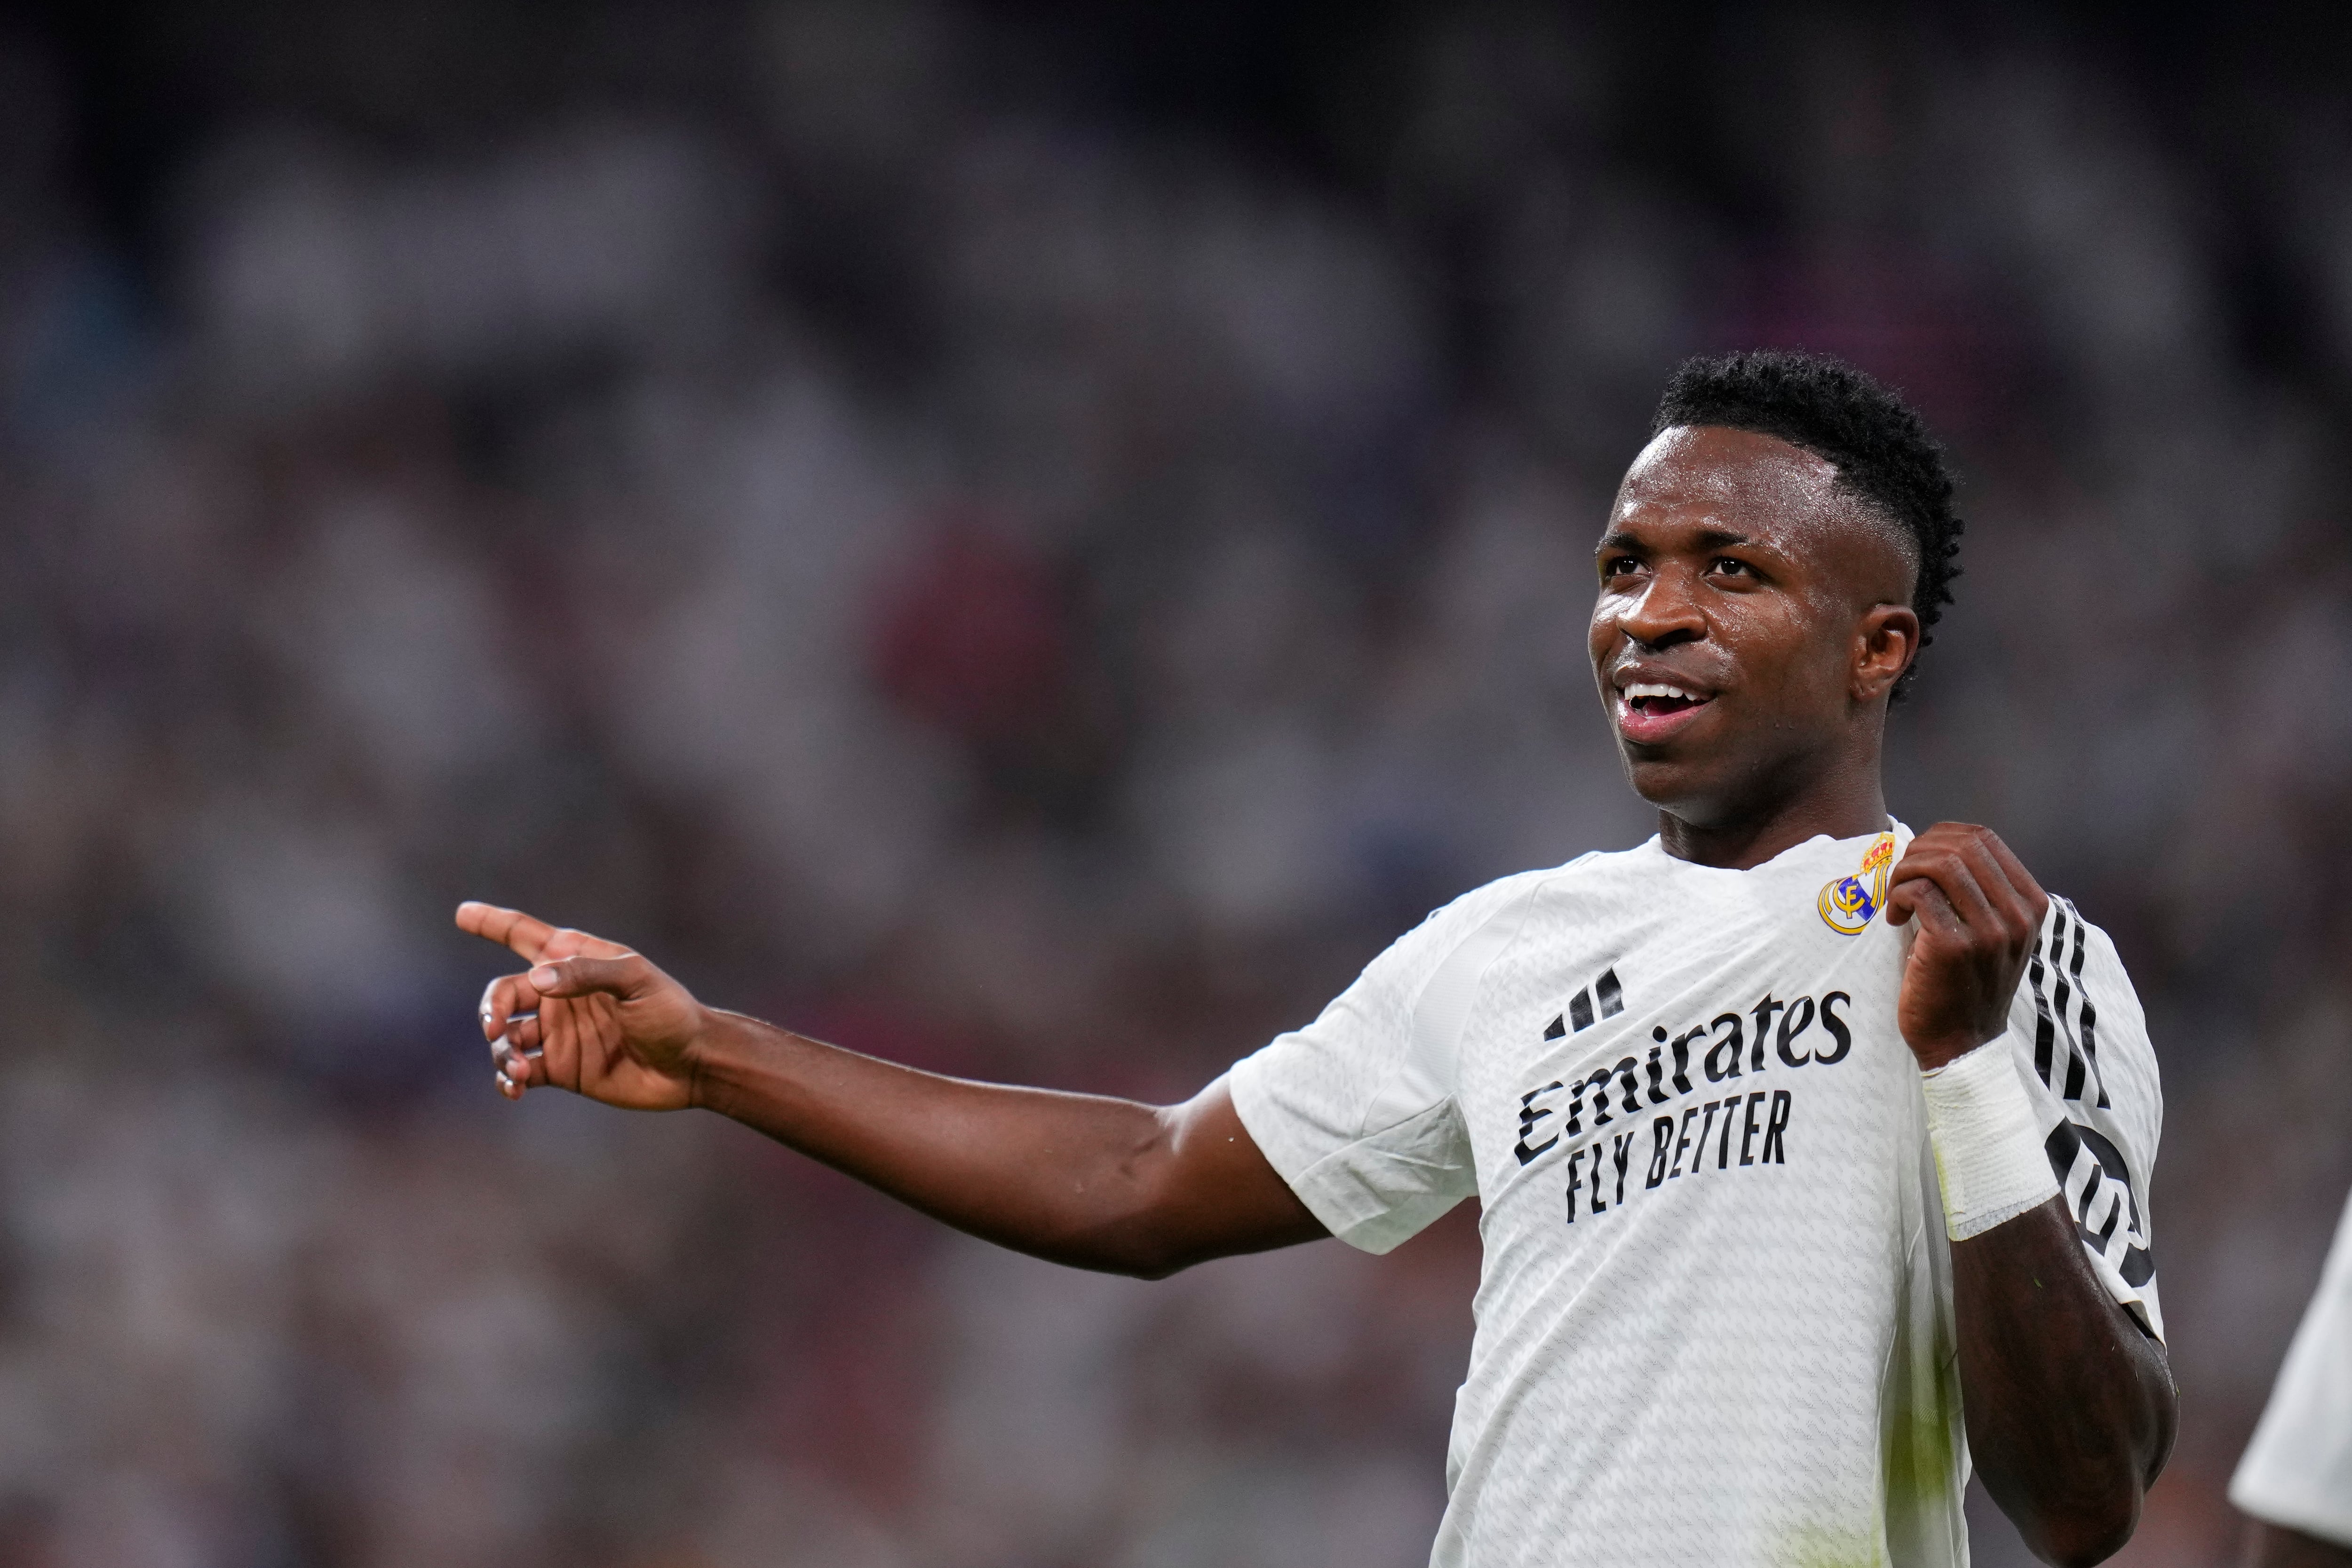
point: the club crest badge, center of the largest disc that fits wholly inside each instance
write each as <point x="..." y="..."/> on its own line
<point x="1848" y="904"/>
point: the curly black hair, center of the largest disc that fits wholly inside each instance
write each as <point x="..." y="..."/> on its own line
<point x="1879" y="446"/>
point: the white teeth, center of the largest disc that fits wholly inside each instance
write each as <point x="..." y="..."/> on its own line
<point x="1651" y="689"/>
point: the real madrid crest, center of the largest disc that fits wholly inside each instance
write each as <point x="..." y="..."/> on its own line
<point x="1848" y="904"/>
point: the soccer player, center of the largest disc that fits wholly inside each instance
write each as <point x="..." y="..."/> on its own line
<point x="1813" y="1156"/>
<point x="2295" y="1479"/>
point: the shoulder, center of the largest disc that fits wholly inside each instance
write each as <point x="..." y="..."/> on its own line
<point x="1505" y="901"/>
<point x="1461" y="935"/>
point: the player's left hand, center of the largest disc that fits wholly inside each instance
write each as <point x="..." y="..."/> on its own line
<point x="1979" y="912"/>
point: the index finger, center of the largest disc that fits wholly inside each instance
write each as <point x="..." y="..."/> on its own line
<point x="527" y="936"/>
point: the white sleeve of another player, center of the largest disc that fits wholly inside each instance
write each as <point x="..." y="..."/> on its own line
<point x="1357" y="1110"/>
<point x="2297" y="1471"/>
<point x="2082" y="1049"/>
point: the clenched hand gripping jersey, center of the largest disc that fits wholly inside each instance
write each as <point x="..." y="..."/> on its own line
<point x="1715" y="1315"/>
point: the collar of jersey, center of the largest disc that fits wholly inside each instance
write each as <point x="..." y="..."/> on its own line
<point x="1819" y="850"/>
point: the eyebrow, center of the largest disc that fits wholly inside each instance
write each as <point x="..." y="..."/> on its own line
<point x="1707" y="539"/>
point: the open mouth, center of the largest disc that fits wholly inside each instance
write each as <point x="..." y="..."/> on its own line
<point x="1654" y="701"/>
<point x="1653" y="710"/>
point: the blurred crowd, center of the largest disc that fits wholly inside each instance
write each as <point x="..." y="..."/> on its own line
<point x="1034" y="547"/>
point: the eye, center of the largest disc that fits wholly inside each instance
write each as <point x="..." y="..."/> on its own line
<point x="1724" y="566"/>
<point x="1619" y="565"/>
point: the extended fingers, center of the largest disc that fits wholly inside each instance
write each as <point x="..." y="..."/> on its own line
<point x="534" y="1035"/>
<point x="527" y="936"/>
<point x="558" y="1023"/>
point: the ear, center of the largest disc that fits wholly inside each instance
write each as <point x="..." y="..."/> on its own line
<point x="1884" y="644"/>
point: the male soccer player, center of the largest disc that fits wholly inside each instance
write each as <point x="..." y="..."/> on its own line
<point x="1813" y="1156"/>
<point x="2296" y="1481"/>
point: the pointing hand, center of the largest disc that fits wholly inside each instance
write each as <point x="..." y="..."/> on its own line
<point x="588" y="1015"/>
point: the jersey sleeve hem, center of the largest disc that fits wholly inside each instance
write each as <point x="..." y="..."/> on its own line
<point x="1352" y="1189"/>
<point x="2139" y="1302"/>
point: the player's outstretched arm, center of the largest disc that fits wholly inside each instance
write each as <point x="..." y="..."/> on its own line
<point x="1080" y="1179"/>
<point x="2069" y="1404"/>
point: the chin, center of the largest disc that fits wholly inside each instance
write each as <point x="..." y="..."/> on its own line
<point x="1681" y="788"/>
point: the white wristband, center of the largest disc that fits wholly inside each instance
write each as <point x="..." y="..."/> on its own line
<point x="1988" y="1152"/>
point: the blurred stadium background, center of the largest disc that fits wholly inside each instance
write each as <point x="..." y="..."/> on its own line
<point x="1030" y="540"/>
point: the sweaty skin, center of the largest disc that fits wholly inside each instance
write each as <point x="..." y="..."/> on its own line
<point x="1734" y="568"/>
<point x="1752" y="621"/>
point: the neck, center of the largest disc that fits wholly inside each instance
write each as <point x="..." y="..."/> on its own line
<point x="1846" y="805"/>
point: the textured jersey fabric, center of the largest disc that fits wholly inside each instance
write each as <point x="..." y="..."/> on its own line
<point x="2297" y="1471"/>
<point x="1713" y="1317"/>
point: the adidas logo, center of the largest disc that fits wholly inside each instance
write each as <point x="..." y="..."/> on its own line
<point x="1579" y="1015"/>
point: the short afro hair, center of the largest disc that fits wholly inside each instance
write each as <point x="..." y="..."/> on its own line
<point x="1879" y="446"/>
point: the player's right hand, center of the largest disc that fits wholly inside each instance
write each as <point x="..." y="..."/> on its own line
<point x="588" y="1015"/>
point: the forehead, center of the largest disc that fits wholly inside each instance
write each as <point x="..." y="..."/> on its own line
<point x="1759" y="486"/>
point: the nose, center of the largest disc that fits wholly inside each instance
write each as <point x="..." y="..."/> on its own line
<point x="1666" y="612"/>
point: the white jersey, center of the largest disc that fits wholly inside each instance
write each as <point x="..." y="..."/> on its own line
<point x="1715" y="1315"/>
<point x="2297" y="1471"/>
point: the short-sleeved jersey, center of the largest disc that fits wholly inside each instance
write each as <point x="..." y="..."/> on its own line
<point x="1714" y="1316"/>
<point x="2297" y="1471"/>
